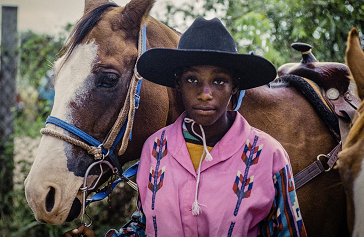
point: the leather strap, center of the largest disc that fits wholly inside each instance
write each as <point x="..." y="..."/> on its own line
<point x="345" y="108"/>
<point x="316" y="168"/>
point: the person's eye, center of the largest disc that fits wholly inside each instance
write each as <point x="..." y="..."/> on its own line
<point x="191" y="80"/>
<point x="219" y="81"/>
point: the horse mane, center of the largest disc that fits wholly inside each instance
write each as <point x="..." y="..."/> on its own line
<point x="175" y="31"/>
<point x="83" y="27"/>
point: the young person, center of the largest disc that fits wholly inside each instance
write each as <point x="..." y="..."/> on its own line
<point x="210" y="173"/>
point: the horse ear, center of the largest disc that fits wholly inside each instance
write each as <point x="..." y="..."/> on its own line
<point x="135" y="12"/>
<point x="354" y="58"/>
<point x="92" y="4"/>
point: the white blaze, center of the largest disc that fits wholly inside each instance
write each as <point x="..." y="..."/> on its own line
<point x="71" y="77"/>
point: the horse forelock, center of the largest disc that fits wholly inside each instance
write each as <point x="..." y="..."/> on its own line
<point x="84" y="26"/>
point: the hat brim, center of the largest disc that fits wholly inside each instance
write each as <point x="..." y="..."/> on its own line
<point x="159" y="65"/>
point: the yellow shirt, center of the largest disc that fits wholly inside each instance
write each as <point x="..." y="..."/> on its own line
<point x="196" y="151"/>
<point x="194" y="146"/>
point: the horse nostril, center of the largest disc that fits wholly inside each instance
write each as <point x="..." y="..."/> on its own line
<point x="50" y="199"/>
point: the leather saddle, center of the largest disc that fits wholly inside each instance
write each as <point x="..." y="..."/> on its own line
<point x="330" y="80"/>
<point x="327" y="86"/>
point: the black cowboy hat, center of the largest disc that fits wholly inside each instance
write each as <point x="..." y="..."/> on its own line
<point x="205" y="42"/>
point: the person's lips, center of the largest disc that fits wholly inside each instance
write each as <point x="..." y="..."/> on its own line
<point x="204" y="110"/>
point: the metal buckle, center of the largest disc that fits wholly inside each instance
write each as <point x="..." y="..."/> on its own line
<point x="85" y="188"/>
<point x="324" y="164"/>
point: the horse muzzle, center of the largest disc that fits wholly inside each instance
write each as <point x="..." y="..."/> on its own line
<point x="50" y="203"/>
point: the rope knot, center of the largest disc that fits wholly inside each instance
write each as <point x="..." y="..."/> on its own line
<point x="196" y="209"/>
<point x="96" y="152"/>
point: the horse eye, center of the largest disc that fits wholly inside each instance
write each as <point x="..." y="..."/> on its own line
<point x="106" y="80"/>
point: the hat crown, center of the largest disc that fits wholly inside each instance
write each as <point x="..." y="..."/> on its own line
<point x="205" y="42"/>
<point x="210" y="35"/>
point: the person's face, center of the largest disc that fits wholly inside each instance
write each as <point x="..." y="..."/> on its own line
<point x="206" y="91"/>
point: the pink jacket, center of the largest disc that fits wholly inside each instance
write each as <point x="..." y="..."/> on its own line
<point x="247" y="188"/>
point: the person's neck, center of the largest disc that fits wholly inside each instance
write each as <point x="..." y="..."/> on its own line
<point x="215" y="131"/>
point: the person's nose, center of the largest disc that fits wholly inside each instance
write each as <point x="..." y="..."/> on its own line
<point x="205" y="93"/>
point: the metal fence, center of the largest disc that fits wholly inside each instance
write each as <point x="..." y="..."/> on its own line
<point x="9" y="66"/>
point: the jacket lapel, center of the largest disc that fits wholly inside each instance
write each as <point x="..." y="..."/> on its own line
<point x="231" y="143"/>
<point x="177" y="145"/>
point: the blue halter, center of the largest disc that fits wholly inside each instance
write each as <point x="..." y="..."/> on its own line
<point x="92" y="141"/>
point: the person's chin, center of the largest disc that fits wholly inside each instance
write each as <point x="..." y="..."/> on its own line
<point x="204" y="119"/>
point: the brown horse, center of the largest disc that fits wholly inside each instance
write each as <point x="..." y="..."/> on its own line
<point x="351" y="157"/>
<point x="91" y="83"/>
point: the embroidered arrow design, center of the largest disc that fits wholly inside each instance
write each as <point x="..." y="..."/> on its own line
<point x="157" y="144"/>
<point x="155" y="174"/>
<point x="252" y="159"/>
<point x="249" y="184"/>
<point x="256" y="151"/>
<point x="160" y="176"/>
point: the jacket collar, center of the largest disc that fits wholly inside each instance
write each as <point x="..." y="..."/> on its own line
<point x="230" y="144"/>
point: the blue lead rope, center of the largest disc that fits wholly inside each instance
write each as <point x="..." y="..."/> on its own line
<point x="130" y="172"/>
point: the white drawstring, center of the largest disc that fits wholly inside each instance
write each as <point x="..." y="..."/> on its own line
<point x="196" y="206"/>
<point x="203" y="138"/>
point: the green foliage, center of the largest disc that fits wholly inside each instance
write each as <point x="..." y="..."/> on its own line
<point x="21" y="222"/>
<point x="37" y="52"/>
<point x="269" y="27"/>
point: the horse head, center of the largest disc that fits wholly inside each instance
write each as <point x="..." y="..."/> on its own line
<point x="350" y="162"/>
<point x="93" y="80"/>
